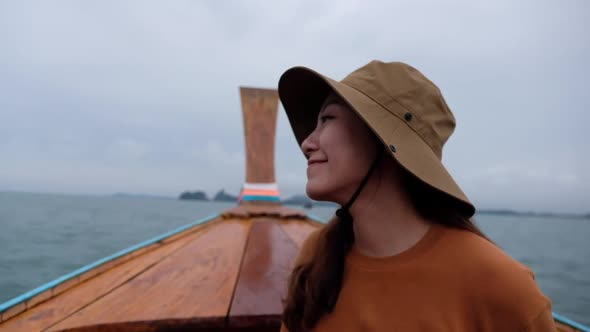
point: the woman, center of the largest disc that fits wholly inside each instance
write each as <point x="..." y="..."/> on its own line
<point x="402" y="253"/>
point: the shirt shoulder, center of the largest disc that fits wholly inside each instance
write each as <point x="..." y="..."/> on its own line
<point x="499" y="286"/>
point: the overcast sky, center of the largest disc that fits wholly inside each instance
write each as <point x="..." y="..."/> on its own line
<point x="98" y="97"/>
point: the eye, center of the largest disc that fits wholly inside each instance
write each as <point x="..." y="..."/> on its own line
<point x="325" y="118"/>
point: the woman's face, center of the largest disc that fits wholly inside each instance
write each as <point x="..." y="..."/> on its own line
<point x="339" y="152"/>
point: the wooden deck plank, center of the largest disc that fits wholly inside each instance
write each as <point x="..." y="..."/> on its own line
<point x="262" y="209"/>
<point x="46" y="295"/>
<point x="53" y="310"/>
<point x="263" y="277"/>
<point x="299" y="230"/>
<point x="13" y="312"/>
<point x="196" y="281"/>
<point x="564" y="328"/>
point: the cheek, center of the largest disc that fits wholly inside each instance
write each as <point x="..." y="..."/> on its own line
<point x="346" y="149"/>
<point x="346" y="167"/>
<point x="351" y="157"/>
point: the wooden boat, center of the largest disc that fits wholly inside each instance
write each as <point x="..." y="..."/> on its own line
<point x="226" y="272"/>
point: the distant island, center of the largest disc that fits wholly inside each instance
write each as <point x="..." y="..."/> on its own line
<point x="200" y="195"/>
<point x="194" y="196"/>
<point x="303" y="200"/>
<point x="133" y="195"/>
<point x="505" y="212"/>
<point x="223" y="196"/>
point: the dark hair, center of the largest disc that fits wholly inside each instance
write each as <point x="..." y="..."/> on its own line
<point x="314" y="285"/>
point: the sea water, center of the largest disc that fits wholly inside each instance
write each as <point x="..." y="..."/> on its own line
<point x="44" y="236"/>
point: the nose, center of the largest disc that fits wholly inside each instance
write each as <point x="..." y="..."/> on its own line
<point x="309" y="144"/>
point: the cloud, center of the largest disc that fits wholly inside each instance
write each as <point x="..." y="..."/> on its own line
<point x="128" y="148"/>
<point x="527" y="186"/>
<point x="143" y="95"/>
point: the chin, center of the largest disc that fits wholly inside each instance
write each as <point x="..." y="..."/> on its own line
<point x="319" y="193"/>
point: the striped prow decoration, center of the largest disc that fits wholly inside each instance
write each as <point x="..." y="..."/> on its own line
<point x="260" y="192"/>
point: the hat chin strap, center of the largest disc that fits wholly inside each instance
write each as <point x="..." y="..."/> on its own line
<point x="344" y="211"/>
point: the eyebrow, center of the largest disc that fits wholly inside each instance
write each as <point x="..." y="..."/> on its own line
<point x="331" y="100"/>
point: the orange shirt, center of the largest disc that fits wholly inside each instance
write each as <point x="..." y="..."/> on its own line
<point x="451" y="280"/>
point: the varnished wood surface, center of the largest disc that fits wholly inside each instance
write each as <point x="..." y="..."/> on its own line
<point x="56" y="309"/>
<point x="259" y="107"/>
<point x="193" y="284"/>
<point x="56" y="287"/>
<point x="267" y="264"/>
<point x="299" y="231"/>
<point x="564" y="328"/>
<point x="230" y="275"/>
<point x="202" y="279"/>
<point x="252" y="210"/>
<point x="203" y="325"/>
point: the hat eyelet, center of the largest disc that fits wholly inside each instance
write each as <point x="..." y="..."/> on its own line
<point x="392" y="148"/>
<point x="408" y="116"/>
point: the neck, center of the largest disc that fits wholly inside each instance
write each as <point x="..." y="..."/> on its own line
<point x="385" y="221"/>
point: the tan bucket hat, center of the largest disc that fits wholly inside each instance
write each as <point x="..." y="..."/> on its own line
<point x="404" y="109"/>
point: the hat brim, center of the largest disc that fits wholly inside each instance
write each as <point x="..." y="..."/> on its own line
<point x="302" y="92"/>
